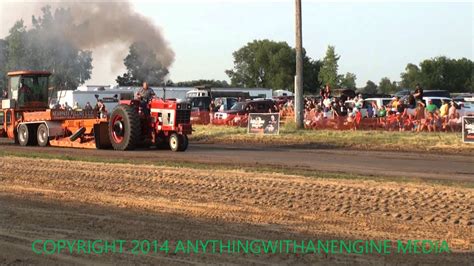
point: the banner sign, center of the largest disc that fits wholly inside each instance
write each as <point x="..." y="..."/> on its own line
<point x="110" y="100"/>
<point x="67" y="114"/>
<point x="468" y="129"/>
<point x="268" y="124"/>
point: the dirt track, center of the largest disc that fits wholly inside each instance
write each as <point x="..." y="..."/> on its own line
<point x="53" y="199"/>
<point x="369" y="163"/>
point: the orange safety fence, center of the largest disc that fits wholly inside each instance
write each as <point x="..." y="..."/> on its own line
<point x="393" y="122"/>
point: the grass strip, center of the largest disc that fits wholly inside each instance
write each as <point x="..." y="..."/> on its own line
<point x="333" y="139"/>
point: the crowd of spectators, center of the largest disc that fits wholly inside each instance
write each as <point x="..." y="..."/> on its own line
<point x="409" y="114"/>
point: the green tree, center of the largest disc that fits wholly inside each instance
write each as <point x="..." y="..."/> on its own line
<point x="328" y="73"/>
<point x="310" y="74"/>
<point x="455" y="75"/>
<point x="411" y="76"/>
<point x="370" y="87"/>
<point x="263" y="63"/>
<point x="349" y="81"/>
<point x="447" y="74"/>
<point x="43" y="47"/>
<point x="386" y="86"/>
<point x="270" y="64"/>
<point x="3" y="70"/>
<point x="142" y="65"/>
<point x="16" y="47"/>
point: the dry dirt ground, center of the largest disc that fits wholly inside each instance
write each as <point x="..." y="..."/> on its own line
<point x="58" y="199"/>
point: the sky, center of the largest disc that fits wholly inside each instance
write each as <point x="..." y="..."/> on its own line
<point x="374" y="39"/>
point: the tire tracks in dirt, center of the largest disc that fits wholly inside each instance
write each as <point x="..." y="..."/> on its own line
<point x="282" y="204"/>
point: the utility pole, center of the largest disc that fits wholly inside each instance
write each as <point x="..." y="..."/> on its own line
<point x="299" y="68"/>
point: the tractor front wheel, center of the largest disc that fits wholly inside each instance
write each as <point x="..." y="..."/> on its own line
<point x="176" y="142"/>
<point x="124" y="128"/>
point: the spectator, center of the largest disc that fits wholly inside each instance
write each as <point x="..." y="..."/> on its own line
<point x="88" y="106"/>
<point x="419" y="118"/>
<point x="409" y="123"/>
<point x="395" y="102"/>
<point x="411" y="102"/>
<point x="357" y="119"/>
<point x="399" y="121"/>
<point x="443" y="114"/>
<point x="315" y="120"/>
<point x="100" y="108"/>
<point x="443" y="110"/>
<point x="326" y="104"/>
<point x="359" y="102"/>
<point x="401" y="107"/>
<point x="350" y="120"/>
<point x="370" y="111"/>
<point x="382" y="112"/>
<point x="212" y="107"/>
<point x="392" y="121"/>
<point x="437" y="122"/>
<point x="418" y="93"/>
<point x="431" y="107"/>
<point x="454" y="123"/>
<point x="452" y="109"/>
<point x="326" y="92"/>
<point x="67" y="107"/>
<point x="431" y="122"/>
<point x="337" y="110"/>
<point x="76" y="106"/>
<point x="375" y="108"/>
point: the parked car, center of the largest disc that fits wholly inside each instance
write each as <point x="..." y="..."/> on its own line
<point x="466" y="108"/>
<point x="464" y="98"/>
<point x="438" y="101"/>
<point x="224" y="103"/>
<point x="282" y="99"/>
<point x="436" y="93"/>
<point x="463" y="108"/>
<point x="200" y="109"/>
<point x="241" y="109"/>
<point x="350" y="104"/>
<point x="402" y="93"/>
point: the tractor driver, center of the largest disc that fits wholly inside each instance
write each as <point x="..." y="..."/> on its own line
<point x="145" y="94"/>
<point x="24" y="92"/>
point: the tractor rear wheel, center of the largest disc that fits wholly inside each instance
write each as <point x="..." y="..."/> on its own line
<point x="176" y="142"/>
<point x="42" y="135"/>
<point x="124" y="128"/>
<point x="27" y="135"/>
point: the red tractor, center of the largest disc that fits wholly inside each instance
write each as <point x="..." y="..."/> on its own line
<point x="167" y="124"/>
<point x="26" y="118"/>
